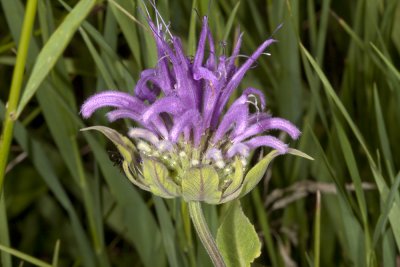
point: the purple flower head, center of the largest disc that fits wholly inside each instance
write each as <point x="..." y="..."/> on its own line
<point x="181" y="108"/>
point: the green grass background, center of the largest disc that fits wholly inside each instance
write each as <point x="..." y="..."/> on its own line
<point x="334" y="73"/>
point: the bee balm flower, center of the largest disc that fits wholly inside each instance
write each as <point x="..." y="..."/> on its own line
<point x="187" y="144"/>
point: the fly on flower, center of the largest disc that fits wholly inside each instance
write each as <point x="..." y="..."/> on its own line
<point x="189" y="143"/>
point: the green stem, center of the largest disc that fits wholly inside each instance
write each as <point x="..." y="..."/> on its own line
<point x="317" y="231"/>
<point x="8" y="125"/>
<point x="200" y="224"/>
<point x="16" y="84"/>
<point x="262" y="216"/>
<point x="188" y="233"/>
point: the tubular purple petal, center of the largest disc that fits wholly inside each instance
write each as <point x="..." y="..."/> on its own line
<point x="253" y="91"/>
<point x="169" y="104"/>
<point x="210" y="63"/>
<point x="180" y="53"/>
<point x="190" y="118"/>
<point x="269" y="141"/>
<point x="238" y="148"/>
<point x="142" y="91"/>
<point x="236" y="51"/>
<point x="269" y="124"/>
<point x="144" y="134"/>
<point x="123" y="114"/>
<point x="214" y="153"/>
<point x="237" y="116"/>
<point x="204" y="73"/>
<point x="198" y="59"/>
<point x="111" y="99"/>
<point x="239" y="74"/>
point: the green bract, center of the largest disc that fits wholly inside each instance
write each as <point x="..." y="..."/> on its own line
<point x="178" y="175"/>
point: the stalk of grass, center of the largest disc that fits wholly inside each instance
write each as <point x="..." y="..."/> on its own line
<point x="317" y="230"/>
<point x="8" y="123"/>
<point x="25" y="257"/>
<point x="262" y="218"/>
<point x="16" y="84"/>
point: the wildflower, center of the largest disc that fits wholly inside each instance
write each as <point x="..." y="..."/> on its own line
<point x="187" y="144"/>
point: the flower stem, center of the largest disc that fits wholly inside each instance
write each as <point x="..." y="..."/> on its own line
<point x="200" y="224"/>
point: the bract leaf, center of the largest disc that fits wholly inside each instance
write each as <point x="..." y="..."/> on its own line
<point x="126" y="148"/>
<point x="201" y="184"/>
<point x="158" y="179"/>
<point x="233" y="190"/>
<point x="237" y="239"/>
<point x="123" y="144"/>
<point x="255" y="174"/>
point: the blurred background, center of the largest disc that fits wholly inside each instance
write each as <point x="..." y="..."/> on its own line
<point x="334" y="73"/>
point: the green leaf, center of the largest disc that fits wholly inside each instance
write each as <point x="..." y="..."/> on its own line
<point x="158" y="179"/>
<point x="123" y="144"/>
<point x="24" y="257"/>
<point x="237" y="239"/>
<point x="126" y="148"/>
<point x="233" y="190"/>
<point x="387" y="62"/>
<point x="53" y="49"/>
<point x="256" y="173"/>
<point x="201" y="184"/>
<point x="168" y="233"/>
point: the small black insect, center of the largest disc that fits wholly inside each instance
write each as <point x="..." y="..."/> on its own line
<point x="116" y="158"/>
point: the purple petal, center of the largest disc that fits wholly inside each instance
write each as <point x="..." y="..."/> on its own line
<point x="210" y="98"/>
<point x="238" y="116"/>
<point x="253" y="91"/>
<point x="169" y="104"/>
<point x="142" y="91"/>
<point x="269" y="141"/>
<point x="216" y="155"/>
<point x="221" y="70"/>
<point x="144" y="134"/>
<point x="269" y="124"/>
<point x="198" y="59"/>
<point x="123" y="114"/>
<point x="204" y="73"/>
<point x="236" y="51"/>
<point x="156" y="125"/>
<point x="190" y="118"/>
<point x="179" y="52"/>
<point x="111" y="99"/>
<point x="238" y="148"/>
<point x="239" y="74"/>
<point x="210" y="63"/>
<point x="165" y="145"/>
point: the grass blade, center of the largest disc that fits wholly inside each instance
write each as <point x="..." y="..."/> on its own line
<point x="387" y="207"/>
<point x="4" y="236"/>
<point x="25" y="257"/>
<point x="53" y="50"/>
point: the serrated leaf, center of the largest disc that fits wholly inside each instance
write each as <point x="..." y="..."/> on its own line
<point x="157" y="177"/>
<point x="201" y="184"/>
<point x="237" y="239"/>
